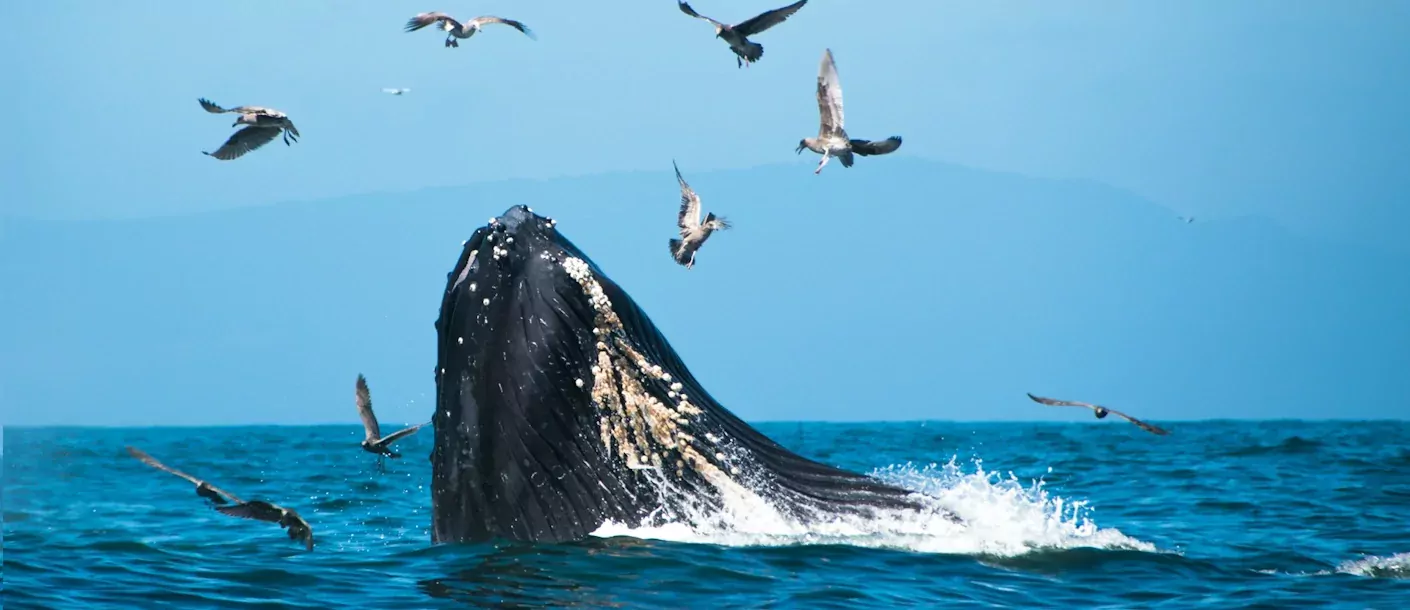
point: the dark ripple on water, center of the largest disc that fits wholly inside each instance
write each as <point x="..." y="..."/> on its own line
<point x="1269" y="514"/>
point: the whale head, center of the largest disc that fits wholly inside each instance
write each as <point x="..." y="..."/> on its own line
<point x="560" y="406"/>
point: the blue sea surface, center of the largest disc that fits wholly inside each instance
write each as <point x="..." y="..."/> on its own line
<point x="1082" y="515"/>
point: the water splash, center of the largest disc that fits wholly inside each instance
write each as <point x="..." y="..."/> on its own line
<point x="1395" y="566"/>
<point x="1003" y="517"/>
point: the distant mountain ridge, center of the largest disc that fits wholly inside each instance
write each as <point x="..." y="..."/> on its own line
<point x="898" y="289"/>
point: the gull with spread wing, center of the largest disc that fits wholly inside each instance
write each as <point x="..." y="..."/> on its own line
<point x="374" y="442"/>
<point x="1101" y="412"/>
<point x="455" y="29"/>
<point x="746" y="52"/>
<point x="262" y="126"/>
<point x="832" y="140"/>
<point x="255" y="509"/>
<point x="693" y="231"/>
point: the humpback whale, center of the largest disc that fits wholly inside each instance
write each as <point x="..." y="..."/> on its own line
<point x="560" y="407"/>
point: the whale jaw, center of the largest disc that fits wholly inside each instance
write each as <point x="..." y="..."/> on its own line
<point x="561" y="407"/>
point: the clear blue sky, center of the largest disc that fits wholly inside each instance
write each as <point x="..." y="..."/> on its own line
<point x="1293" y="113"/>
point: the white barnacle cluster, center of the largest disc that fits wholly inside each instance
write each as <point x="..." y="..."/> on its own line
<point x="499" y="252"/>
<point x="577" y="269"/>
<point x="633" y="422"/>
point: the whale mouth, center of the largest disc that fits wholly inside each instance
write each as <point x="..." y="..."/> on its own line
<point x="560" y="407"/>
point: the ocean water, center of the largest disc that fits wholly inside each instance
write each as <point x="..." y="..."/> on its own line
<point x="1080" y="515"/>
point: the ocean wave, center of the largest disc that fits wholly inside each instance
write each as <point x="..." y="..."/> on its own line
<point x="1293" y="445"/>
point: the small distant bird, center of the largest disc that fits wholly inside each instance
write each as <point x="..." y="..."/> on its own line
<point x="832" y="140"/>
<point x="203" y="489"/>
<point x="255" y="509"/>
<point x="455" y="29"/>
<point x="263" y="124"/>
<point x="374" y="442"/>
<point x="396" y="91"/>
<point x="746" y="52"/>
<point x="260" y="510"/>
<point x="1101" y="412"/>
<point x="693" y="232"/>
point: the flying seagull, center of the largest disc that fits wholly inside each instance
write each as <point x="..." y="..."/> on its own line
<point x="262" y="125"/>
<point x="693" y="232"/>
<point x="399" y="91"/>
<point x="374" y="442"/>
<point x="254" y="509"/>
<point x="1101" y="412"/>
<point x="746" y="52"/>
<point x="203" y="489"/>
<point x="832" y="140"/>
<point x="260" y="510"/>
<point x="455" y="29"/>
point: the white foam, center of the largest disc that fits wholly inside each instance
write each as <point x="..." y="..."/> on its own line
<point x="1395" y="566"/>
<point x="1002" y="517"/>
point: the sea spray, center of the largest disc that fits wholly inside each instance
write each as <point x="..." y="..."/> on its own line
<point x="1003" y="517"/>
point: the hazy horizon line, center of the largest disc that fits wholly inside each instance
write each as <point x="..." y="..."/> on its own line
<point x="579" y="176"/>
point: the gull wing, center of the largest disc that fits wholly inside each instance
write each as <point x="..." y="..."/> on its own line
<point x="257" y="510"/>
<point x="243" y="141"/>
<point x="829" y="97"/>
<point x="424" y="19"/>
<point x="689" y="217"/>
<point x="867" y="148"/>
<point x="685" y="8"/>
<point x="1151" y="428"/>
<point x="408" y="431"/>
<point x="211" y="107"/>
<point x="1053" y="402"/>
<point x="151" y="461"/>
<point x="518" y="25"/>
<point x="768" y="19"/>
<point x="363" y="398"/>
